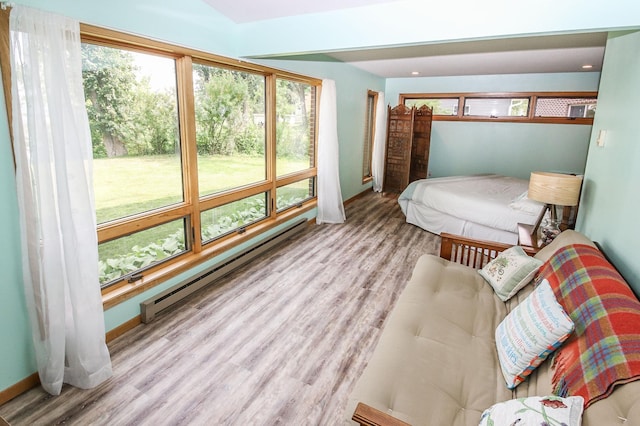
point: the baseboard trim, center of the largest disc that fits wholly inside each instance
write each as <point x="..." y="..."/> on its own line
<point x="123" y="328"/>
<point x="358" y="195"/>
<point x="22" y="386"/>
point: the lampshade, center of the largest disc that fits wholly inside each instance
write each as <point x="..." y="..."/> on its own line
<point x="555" y="188"/>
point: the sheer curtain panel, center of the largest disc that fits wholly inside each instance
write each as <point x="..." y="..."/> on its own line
<point x="377" y="161"/>
<point x="330" y="207"/>
<point x="52" y="145"/>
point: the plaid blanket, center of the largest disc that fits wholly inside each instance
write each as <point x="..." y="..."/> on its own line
<point x="604" y="350"/>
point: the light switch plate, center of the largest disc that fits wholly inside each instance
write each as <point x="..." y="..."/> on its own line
<point x="602" y="134"/>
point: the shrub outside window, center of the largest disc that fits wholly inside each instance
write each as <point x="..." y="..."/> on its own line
<point x="294" y="194"/>
<point x="222" y="220"/>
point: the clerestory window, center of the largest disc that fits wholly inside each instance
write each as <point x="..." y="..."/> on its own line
<point x="536" y="107"/>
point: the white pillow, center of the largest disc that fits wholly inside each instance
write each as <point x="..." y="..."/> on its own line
<point x="523" y="203"/>
<point x="532" y="331"/>
<point x="510" y="271"/>
<point x="535" y="410"/>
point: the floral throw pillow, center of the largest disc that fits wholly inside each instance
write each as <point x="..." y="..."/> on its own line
<point x="535" y="410"/>
<point x="510" y="271"/>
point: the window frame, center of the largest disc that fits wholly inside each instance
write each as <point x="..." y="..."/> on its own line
<point x="530" y="118"/>
<point x="369" y="135"/>
<point x="192" y="204"/>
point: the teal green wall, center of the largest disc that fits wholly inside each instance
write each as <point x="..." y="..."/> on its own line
<point x="16" y="350"/>
<point x="610" y="201"/>
<point x="512" y="149"/>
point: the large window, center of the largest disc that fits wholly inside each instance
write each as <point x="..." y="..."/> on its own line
<point x="538" y="107"/>
<point x="193" y="153"/>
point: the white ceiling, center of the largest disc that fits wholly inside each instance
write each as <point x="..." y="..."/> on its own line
<point x="539" y="54"/>
<point x="543" y="54"/>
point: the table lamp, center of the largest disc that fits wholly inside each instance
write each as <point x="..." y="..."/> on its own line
<point x="553" y="189"/>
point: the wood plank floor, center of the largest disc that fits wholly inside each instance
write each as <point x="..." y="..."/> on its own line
<point x="281" y="341"/>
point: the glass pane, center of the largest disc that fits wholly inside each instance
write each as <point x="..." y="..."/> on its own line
<point x="295" y="193"/>
<point x="440" y="106"/>
<point x="229" y="217"/>
<point x="295" y="135"/>
<point x="368" y="136"/>
<point x="230" y="128"/>
<point x="497" y="107"/>
<point x="566" y="107"/>
<point x="140" y="250"/>
<point x="133" y="114"/>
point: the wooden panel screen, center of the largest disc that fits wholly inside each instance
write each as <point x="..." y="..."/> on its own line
<point x="421" y="143"/>
<point x="408" y="144"/>
<point x="399" y="137"/>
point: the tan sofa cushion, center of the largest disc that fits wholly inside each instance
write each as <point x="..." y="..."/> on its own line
<point x="436" y="360"/>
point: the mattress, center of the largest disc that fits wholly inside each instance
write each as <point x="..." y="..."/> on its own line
<point x="485" y="207"/>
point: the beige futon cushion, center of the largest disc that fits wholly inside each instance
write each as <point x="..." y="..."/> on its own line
<point x="436" y="360"/>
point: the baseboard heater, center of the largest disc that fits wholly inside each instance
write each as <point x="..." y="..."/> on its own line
<point x="150" y="307"/>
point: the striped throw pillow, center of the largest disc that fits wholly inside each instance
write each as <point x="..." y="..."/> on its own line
<point x="530" y="333"/>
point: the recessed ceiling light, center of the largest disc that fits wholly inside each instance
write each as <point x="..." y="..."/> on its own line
<point x="587" y="66"/>
<point x="415" y="72"/>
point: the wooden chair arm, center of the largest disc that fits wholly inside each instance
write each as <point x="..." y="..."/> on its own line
<point x="473" y="253"/>
<point x="366" y="415"/>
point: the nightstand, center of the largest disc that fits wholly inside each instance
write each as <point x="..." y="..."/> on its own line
<point x="527" y="236"/>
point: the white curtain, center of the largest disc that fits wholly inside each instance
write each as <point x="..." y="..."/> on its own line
<point x="379" y="142"/>
<point x="52" y="146"/>
<point x="330" y="207"/>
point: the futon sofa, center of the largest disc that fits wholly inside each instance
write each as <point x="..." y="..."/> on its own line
<point x="436" y="361"/>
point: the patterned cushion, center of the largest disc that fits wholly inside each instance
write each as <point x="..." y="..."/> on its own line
<point x="535" y="410"/>
<point x="605" y="349"/>
<point x="533" y="330"/>
<point x="510" y="271"/>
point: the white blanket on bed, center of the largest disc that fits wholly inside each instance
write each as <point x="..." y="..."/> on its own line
<point x="494" y="201"/>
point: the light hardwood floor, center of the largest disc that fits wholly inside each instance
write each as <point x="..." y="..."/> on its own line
<point x="281" y="341"/>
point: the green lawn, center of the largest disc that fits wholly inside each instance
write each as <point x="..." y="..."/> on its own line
<point x="129" y="185"/>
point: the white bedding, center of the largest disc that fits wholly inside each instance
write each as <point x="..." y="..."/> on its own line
<point x="479" y="206"/>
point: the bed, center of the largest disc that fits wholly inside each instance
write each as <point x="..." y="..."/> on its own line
<point x="487" y="207"/>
